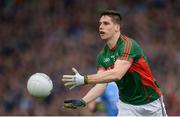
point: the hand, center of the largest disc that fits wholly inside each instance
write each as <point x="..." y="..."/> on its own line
<point x="73" y="104"/>
<point x="72" y="81"/>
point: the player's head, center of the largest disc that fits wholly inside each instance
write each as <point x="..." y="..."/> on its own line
<point x="109" y="23"/>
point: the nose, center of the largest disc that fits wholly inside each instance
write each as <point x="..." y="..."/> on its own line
<point x="100" y="26"/>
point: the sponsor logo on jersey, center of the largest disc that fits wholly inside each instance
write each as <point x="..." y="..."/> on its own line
<point x="106" y="60"/>
<point x="113" y="58"/>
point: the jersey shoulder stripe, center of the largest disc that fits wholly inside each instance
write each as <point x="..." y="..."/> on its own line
<point x="127" y="47"/>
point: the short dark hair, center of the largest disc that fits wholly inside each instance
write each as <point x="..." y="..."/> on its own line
<point x="116" y="16"/>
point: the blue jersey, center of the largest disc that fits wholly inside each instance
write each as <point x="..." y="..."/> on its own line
<point x="110" y="98"/>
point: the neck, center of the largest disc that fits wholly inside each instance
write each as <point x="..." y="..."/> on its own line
<point x="112" y="41"/>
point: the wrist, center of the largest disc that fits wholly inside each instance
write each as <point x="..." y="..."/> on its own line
<point x="85" y="79"/>
<point x="83" y="102"/>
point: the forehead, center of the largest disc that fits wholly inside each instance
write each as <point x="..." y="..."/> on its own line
<point x="105" y="19"/>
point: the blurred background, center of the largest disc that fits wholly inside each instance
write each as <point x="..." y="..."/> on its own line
<point x="51" y="36"/>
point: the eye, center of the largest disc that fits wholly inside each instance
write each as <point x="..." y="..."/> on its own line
<point x="106" y="23"/>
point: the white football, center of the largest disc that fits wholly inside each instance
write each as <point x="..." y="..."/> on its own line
<point x="39" y="85"/>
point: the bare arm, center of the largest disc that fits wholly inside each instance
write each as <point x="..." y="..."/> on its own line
<point x="95" y="92"/>
<point x="119" y="70"/>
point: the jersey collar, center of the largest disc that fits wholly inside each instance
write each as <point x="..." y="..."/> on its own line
<point x="114" y="48"/>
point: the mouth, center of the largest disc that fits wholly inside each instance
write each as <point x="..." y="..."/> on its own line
<point x="101" y="32"/>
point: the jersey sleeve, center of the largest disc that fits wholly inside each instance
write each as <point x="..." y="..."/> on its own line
<point x="130" y="51"/>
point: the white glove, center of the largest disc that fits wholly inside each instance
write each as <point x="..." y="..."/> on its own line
<point x="73" y="81"/>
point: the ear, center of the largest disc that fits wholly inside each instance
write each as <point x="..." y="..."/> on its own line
<point x="117" y="28"/>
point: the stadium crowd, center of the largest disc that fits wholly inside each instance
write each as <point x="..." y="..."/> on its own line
<point x="51" y="36"/>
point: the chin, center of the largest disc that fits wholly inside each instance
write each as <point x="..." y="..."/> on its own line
<point x="103" y="38"/>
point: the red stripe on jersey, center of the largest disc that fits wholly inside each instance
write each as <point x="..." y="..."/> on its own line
<point x="127" y="47"/>
<point x="110" y="67"/>
<point x="101" y="69"/>
<point x="142" y="68"/>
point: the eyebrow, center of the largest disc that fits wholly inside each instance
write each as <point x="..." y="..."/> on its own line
<point x="104" y="22"/>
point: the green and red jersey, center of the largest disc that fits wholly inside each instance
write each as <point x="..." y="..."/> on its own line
<point x="137" y="86"/>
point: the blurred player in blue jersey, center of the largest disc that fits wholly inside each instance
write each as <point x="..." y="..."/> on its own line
<point x="110" y="98"/>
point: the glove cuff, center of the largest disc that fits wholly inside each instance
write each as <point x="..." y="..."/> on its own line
<point x="85" y="79"/>
<point x="83" y="102"/>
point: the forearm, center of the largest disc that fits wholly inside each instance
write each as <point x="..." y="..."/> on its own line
<point x="95" y="92"/>
<point x="119" y="70"/>
<point x="104" y="77"/>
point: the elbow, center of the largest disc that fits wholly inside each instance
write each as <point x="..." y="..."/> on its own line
<point x="117" y="75"/>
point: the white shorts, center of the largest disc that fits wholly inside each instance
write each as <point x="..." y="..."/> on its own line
<point x="155" y="108"/>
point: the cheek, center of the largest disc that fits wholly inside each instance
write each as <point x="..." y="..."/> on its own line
<point x="111" y="31"/>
